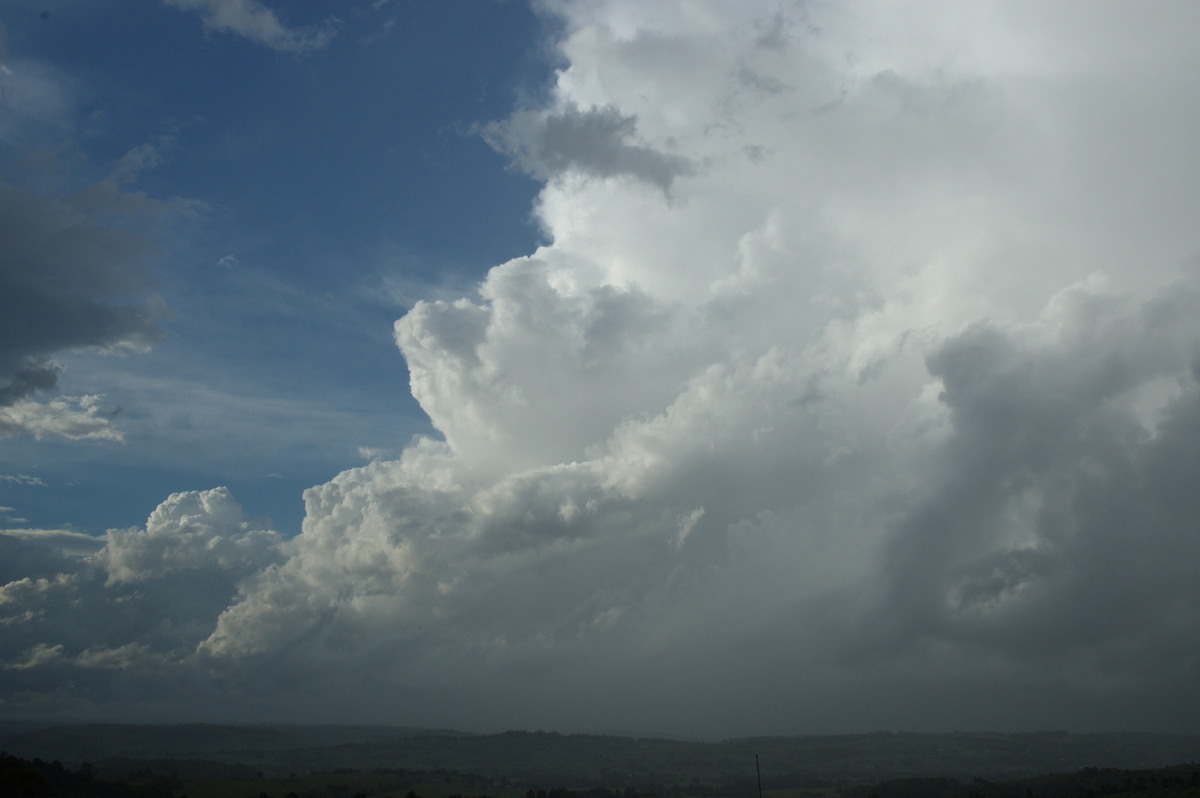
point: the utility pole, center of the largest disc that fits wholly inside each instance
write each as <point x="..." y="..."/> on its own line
<point x="758" y="772"/>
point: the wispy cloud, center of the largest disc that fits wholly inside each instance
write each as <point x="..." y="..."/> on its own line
<point x="256" y="22"/>
<point x="22" y="479"/>
<point x="65" y="540"/>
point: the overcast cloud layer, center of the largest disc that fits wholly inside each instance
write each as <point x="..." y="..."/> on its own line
<point x="857" y="388"/>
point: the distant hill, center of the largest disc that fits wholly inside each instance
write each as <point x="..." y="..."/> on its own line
<point x="587" y="760"/>
<point x="75" y="744"/>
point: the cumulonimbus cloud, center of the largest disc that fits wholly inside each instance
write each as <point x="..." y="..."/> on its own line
<point x="883" y="417"/>
<point x="142" y="599"/>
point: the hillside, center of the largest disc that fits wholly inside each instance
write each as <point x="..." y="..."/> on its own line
<point x="595" y="761"/>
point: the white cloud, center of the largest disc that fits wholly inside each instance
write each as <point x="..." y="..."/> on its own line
<point x="861" y="336"/>
<point x="141" y="601"/>
<point x="74" y="417"/>
<point x="884" y="417"/>
<point x="189" y="531"/>
<point x="65" y="540"/>
<point x="253" y="20"/>
<point x="23" y="479"/>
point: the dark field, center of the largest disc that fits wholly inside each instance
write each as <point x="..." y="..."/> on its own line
<point x="213" y="761"/>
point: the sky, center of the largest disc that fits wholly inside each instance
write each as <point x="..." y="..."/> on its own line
<point x="679" y="367"/>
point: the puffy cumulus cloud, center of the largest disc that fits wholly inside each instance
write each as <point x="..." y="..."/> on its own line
<point x="138" y="602"/>
<point x="885" y="416"/>
<point x="256" y="22"/>
<point x="198" y="530"/>
<point x="880" y="418"/>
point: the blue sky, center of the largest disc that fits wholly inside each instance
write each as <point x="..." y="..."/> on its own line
<point x="315" y="194"/>
<point x="551" y="365"/>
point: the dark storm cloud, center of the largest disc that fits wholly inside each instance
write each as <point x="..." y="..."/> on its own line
<point x="22" y="558"/>
<point x="1063" y="525"/>
<point x="70" y="278"/>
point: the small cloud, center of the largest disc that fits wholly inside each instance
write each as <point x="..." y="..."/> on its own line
<point x="228" y="262"/>
<point x="41" y="654"/>
<point x="72" y="417"/>
<point x="256" y="22"/>
<point x="597" y="141"/>
<point x="371" y="453"/>
<point x="22" y="479"/>
<point x="119" y="658"/>
<point x="144" y="158"/>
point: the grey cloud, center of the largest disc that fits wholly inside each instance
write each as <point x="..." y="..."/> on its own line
<point x="138" y="605"/>
<point x="597" y="141"/>
<point x="1056" y="533"/>
<point x="631" y="511"/>
<point x="144" y="157"/>
<point x="74" y="263"/>
<point x="66" y="278"/>
<point x="69" y="279"/>
<point x="22" y="557"/>
<point x="1035" y="547"/>
<point x="63" y="540"/>
<point x="34" y="374"/>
